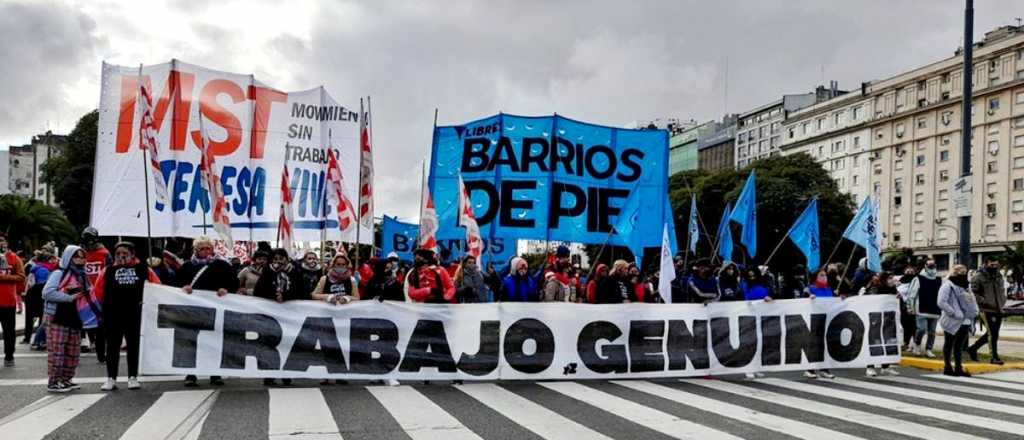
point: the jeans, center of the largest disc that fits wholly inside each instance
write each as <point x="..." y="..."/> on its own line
<point x="925" y="324"/>
<point x="992" y="323"/>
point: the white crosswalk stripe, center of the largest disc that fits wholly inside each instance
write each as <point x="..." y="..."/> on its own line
<point x="300" y="414"/>
<point x="664" y="423"/>
<point x="1009" y="376"/>
<point x="767" y="421"/>
<point x="896" y="405"/>
<point x="913" y="407"/>
<point x="979" y="381"/>
<point x="542" y="421"/>
<point x="420" y="417"/>
<point x="176" y="414"/>
<point x="878" y="421"/>
<point x="46" y="415"/>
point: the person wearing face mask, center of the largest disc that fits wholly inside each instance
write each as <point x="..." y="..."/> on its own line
<point x="600" y="273"/>
<point x="795" y="284"/>
<point x="250" y="275"/>
<point x="755" y="286"/>
<point x="204" y="271"/>
<point x="729" y="282"/>
<point x="162" y="269"/>
<point x="701" y="287"/>
<point x="470" y="286"/>
<point x="384" y="285"/>
<point x="881" y="284"/>
<point x="616" y="288"/>
<point x="990" y="292"/>
<point x="819" y="288"/>
<point x="64" y="327"/>
<point x="307" y="273"/>
<point x="12" y="284"/>
<point x="922" y="301"/>
<point x="959" y="310"/>
<point x="278" y="281"/>
<point x="339" y="285"/>
<point x="120" y="285"/>
<point x="519" y="286"/>
<point x="907" y="319"/>
<point x="427" y="282"/>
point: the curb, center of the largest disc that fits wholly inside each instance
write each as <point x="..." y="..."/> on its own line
<point x="973" y="367"/>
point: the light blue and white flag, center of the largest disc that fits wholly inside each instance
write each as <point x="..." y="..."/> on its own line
<point x="745" y="214"/>
<point x="863" y="230"/>
<point x="693" y="232"/>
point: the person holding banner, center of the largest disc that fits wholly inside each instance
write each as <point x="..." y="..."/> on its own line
<point x="64" y="327"/>
<point x="756" y="286"/>
<point x="204" y="271"/>
<point x="338" y="286"/>
<point x="307" y="273"/>
<point x="729" y="282"/>
<point x="701" y="287"/>
<point x="427" y="282"/>
<point x="278" y="281"/>
<point x="120" y="285"/>
<point x="470" y="286"/>
<point x="600" y="273"/>
<point x="250" y="275"/>
<point x="384" y="285"/>
<point x="519" y="286"/>
<point x="615" y="288"/>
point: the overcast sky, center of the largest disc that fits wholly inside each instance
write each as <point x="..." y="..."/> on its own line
<point x="607" y="62"/>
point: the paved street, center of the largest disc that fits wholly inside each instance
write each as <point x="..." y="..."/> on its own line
<point x="783" y="406"/>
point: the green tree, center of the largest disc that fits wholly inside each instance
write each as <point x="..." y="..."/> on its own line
<point x="785" y="185"/>
<point x="30" y="223"/>
<point x="1013" y="261"/>
<point x="71" y="173"/>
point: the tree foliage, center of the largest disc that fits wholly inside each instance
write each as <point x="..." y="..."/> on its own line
<point x="70" y="174"/>
<point x="30" y="223"/>
<point x="1013" y="261"/>
<point x="785" y="185"/>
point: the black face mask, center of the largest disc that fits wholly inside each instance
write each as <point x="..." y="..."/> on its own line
<point x="991" y="270"/>
<point x="959" y="280"/>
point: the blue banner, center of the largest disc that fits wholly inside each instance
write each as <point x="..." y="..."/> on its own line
<point x="400" y="238"/>
<point x="550" y="178"/>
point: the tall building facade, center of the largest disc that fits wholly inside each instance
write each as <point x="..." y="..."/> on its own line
<point x="907" y="151"/>
<point x="716" y="150"/>
<point x="26" y="164"/>
<point x="682" y="147"/>
<point x="5" y="172"/>
<point x="759" y="131"/>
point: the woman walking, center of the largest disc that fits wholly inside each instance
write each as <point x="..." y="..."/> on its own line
<point x="959" y="310"/>
<point x="64" y="328"/>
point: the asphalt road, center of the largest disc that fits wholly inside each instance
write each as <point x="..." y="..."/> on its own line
<point x="782" y="406"/>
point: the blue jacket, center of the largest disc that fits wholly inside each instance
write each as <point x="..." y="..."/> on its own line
<point x="754" y="292"/>
<point x="519" y="289"/>
<point x="820" y="292"/>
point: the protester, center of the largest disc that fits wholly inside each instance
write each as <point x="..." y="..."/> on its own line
<point x="819" y="288"/>
<point x="616" y="288"/>
<point x="64" y="327"/>
<point x="556" y="287"/>
<point x="642" y="289"/>
<point x="838" y="281"/>
<point x="159" y="266"/>
<point x="97" y="258"/>
<point x="755" y="286"/>
<point x="44" y="263"/>
<point x="279" y="282"/>
<point x="959" y="310"/>
<point x="121" y="285"/>
<point x="701" y="287"/>
<point x="307" y="273"/>
<point x="384" y="285"/>
<point x="600" y="273"/>
<point x="204" y="271"/>
<point x="923" y="296"/>
<point x="907" y="319"/>
<point x="729" y="282"/>
<point x="794" y="285"/>
<point x="250" y="274"/>
<point x="494" y="282"/>
<point x="519" y="286"/>
<point x="339" y="285"/>
<point x="470" y="286"/>
<point x="881" y="284"/>
<point x="861" y="278"/>
<point x="427" y="282"/>
<point x="12" y="284"/>
<point x="990" y="292"/>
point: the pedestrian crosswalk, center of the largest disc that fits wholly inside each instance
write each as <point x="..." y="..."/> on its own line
<point x="924" y="407"/>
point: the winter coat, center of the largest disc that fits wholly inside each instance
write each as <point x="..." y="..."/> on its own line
<point x="218" y="275"/>
<point x="958" y="307"/>
<point x="305" y="279"/>
<point x="990" y="291"/>
<point x="755" y="291"/>
<point x="472" y="288"/>
<point x="923" y="296"/>
<point x="729" y="285"/>
<point x="519" y="289"/>
<point x="12" y="279"/>
<point x="555" y="291"/>
<point x="820" y="292"/>
<point x="121" y="289"/>
<point x="60" y="305"/>
<point x="699" y="290"/>
<point x="614" y="290"/>
<point x="430" y="284"/>
<point x="248" y="277"/>
<point x="267" y="285"/>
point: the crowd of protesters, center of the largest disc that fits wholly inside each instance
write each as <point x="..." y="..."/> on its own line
<point x="53" y="289"/>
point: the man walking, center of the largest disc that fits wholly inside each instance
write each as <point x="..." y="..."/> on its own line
<point x="990" y="292"/>
<point x="12" y="283"/>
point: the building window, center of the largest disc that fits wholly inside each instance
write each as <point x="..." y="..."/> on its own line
<point x="856" y="142"/>
<point x="898" y="165"/>
<point x="992" y="167"/>
<point x="1018" y="122"/>
<point x="897" y="219"/>
<point x="993" y="104"/>
<point x="1018" y="141"/>
<point x="920" y="160"/>
<point x="1018" y="227"/>
<point x="820" y="124"/>
<point x="803" y="128"/>
<point x="1020" y="97"/>
<point x="837" y="119"/>
<point x="919" y="179"/>
<point x="1018" y="162"/>
<point x="944" y="156"/>
<point x="943" y="176"/>
<point x="947" y="118"/>
<point x="990" y="209"/>
<point x="821" y="150"/>
<point x="990" y="188"/>
<point x="918" y="236"/>
<point x="896" y="237"/>
<point x="1018" y="206"/>
<point x="918" y="217"/>
<point x="990" y="230"/>
<point x="897" y="185"/>
<point x="900" y="130"/>
<point x="1018" y="184"/>
<point x="941" y="216"/>
<point x="922" y="122"/>
<point x="919" y="199"/>
<point x="878" y="168"/>
<point x="946" y="139"/>
<point x="856" y="180"/>
<point x="897" y="201"/>
<point x="943" y="194"/>
<point x="790" y="133"/>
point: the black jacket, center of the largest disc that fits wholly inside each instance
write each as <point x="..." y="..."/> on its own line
<point x="219" y="275"/>
<point x="614" y="290"/>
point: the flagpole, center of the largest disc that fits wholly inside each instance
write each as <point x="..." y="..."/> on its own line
<point x="145" y="175"/>
<point x="359" y="187"/>
<point x="323" y="204"/>
<point x="252" y="132"/>
<point x="784" y="237"/>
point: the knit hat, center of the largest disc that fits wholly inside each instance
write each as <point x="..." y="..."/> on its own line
<point x="516" y="262"/>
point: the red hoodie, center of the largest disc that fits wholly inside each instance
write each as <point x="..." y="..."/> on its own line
<point x="428" y="281"/>
<point x="12" y="280"/>
<point x="95" y="261"/>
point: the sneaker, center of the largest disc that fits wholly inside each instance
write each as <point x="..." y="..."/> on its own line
<point x="994" y="361"/>
<point x="810" y="374"/>
<point x="919" y="350"/>
<point x="57" y="388"/>
<point x="191" y="381"/>
<point x="890" y="372"/>
<point x="109" y="385"/>
<point x="826" y="374"/>
<point x="216" y="381"/>
<point x="929" y="354"/>
<point x="72" y="385"/>
<point x="871" y="372"/>
<point x="86" y="349"/>
<point x="133" y="383"/>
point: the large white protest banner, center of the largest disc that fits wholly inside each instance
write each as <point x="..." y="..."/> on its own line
<point x="250" y="337"/>
<point x="251" y="128"/>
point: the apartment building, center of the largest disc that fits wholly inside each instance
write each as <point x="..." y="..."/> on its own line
<point x="759" y="131"/>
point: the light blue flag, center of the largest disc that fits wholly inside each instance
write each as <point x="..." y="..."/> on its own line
<point x="725" y="235"/>
<point x="693" y="232"/>
<point x="745" y="214"/>
<point x="863" y="230"/>
<point x="670" y="220"/>
<point x="627" y="224"/>
<point x="804" y="234"/>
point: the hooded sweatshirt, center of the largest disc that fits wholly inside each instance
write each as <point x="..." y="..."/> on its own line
<point x="12" y="278"/>
<point x="60" y="288"/>
<point x="923" y="294"/>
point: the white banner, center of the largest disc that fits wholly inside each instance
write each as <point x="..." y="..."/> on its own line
<point x="251" y="337"/>
<point x="251" y="128"/>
